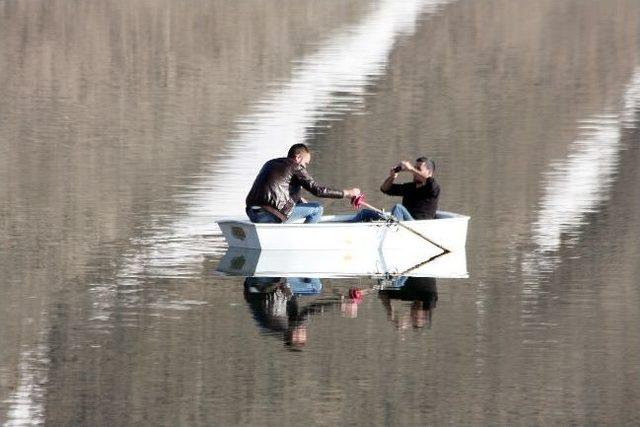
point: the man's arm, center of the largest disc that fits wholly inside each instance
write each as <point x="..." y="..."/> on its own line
<point x="386" y="185"/>
<point x="309" y="184"/>
<point x="409" y="167"/>
<point x="295" y="191"/>
<point x="389" y="188"/>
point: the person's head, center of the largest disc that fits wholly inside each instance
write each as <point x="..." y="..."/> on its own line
<point x="300" y="154"/>
<point x="296" y="337"/>
<point x="425" y="165"/>
<point x="420" y="314"/>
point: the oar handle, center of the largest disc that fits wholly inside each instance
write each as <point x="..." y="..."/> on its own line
<point x="373" y="208"/>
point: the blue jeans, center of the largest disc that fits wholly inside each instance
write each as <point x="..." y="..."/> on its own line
<point x="261" y="216"/>
<point x="366" y="215"/>
<point x="304" y="285"/>
<point x="311" y="212"/>
<point x="398" y="210"/>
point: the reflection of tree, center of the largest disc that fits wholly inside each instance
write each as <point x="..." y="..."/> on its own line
<point x="423" y="294"/>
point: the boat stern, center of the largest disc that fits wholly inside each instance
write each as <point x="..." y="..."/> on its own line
<point x="240" y="234"/>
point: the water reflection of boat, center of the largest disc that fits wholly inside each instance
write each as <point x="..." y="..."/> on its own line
<point x="448" y="231"/>
<point x="345" y="263"/>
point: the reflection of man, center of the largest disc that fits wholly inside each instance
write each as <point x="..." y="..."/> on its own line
<point x="274" y="304"/>
<point x="268" y="298"/>
<point x="419" y="196"/>
<point x="422" y="293"/>
<point x="275" y="193"/>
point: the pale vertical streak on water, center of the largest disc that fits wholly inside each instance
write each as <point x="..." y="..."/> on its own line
<point x="25" y="404"/>
<point x="579" y="184"/>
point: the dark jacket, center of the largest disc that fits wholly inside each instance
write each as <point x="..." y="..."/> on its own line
<point x="275" y="182"/>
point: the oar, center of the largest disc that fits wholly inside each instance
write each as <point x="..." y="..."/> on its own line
<point x="359" y="201"/>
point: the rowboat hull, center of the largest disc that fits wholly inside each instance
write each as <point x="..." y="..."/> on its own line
<point x="341" y="263"/>
<point x="448" y="232"/>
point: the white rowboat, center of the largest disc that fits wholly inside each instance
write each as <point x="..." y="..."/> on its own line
<point x="446" y="233"/>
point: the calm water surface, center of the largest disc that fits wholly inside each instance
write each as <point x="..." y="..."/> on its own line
<point x="128" y="128"/>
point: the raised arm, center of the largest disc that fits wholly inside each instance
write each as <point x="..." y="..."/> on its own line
<point x="409" y="167"/>
<point x="386" y="185"/>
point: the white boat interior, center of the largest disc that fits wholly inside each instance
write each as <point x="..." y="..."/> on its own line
<point x="347" y="218"/>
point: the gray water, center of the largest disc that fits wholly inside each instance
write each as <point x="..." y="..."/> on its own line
<point x="128" y="128"/>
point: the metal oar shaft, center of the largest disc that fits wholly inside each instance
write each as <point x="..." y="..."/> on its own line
<point x="406" y="227"/>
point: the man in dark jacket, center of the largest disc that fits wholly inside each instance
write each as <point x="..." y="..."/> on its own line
<point x="275" y="193"/>
<point x="419" y="196"/>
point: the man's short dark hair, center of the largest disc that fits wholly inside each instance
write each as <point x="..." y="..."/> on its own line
<point x="297" y="149"/>
<point x="431" y="165"/>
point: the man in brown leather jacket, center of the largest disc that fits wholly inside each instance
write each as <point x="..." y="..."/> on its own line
<point x="274" y="195"/>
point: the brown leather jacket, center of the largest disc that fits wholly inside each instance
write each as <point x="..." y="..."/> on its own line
<point x="279" y="181"/>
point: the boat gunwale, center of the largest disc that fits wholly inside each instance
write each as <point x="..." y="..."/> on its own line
<point x="247" y="222"/>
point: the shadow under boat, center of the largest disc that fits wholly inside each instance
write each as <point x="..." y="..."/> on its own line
<point x="347" y="263"/>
